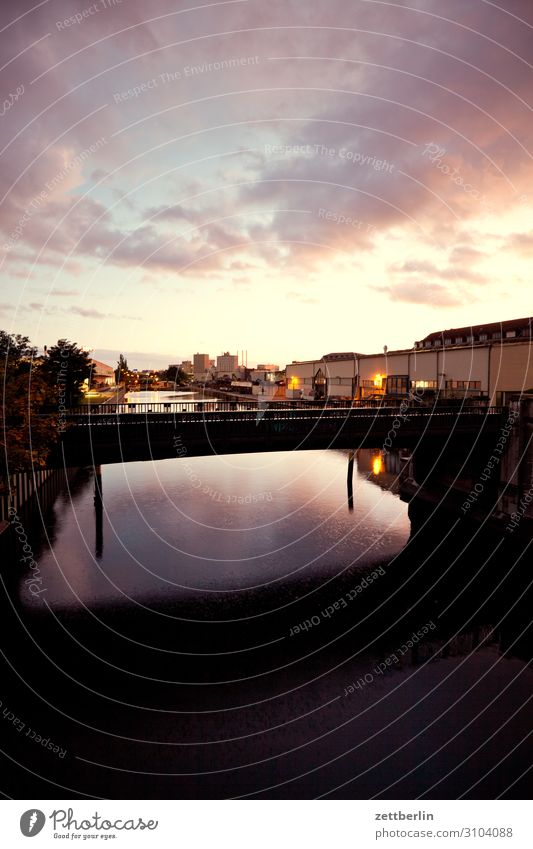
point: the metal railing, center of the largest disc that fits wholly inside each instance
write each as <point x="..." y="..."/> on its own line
<point x="224" y="406"/>
<point x="322" y="414"/>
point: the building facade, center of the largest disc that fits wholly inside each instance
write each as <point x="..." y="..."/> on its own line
<point x="333" y="375"/>
<point x="200" y="366"/>
<point x="102" y="375"/>
<point x="492" y="361"/>
<point x="227" y="364"/>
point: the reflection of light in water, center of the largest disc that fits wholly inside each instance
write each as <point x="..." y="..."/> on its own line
<point x="377" y="465"/>
<point x="248" y="524"/>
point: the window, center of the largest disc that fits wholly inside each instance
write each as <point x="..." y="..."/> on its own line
<point x="397" y="384"/>
<point x="483" y="337"/>
<point x="463" y="384"/>
<point x="469" y="339"/>
<point x="427" y="344"/>
<point x="510" y="334"/>
<point x="497" y="335"/>
<point x="458" y="340"/>
<point x="423" y="384"/>
<point x="448" y="341"/>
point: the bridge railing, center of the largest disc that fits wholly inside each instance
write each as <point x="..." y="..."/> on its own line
<point x="278" y="414"/>
<point x="210" y="407"/>
<point x="223" y="406"/>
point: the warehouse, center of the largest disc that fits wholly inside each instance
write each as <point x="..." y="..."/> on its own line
<point x="482" y="361"/>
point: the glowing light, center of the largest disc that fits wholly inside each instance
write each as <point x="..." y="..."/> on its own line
<point x="378" y="380"/>
<point x="294" y="382"/>
<point x="377" y="465"/>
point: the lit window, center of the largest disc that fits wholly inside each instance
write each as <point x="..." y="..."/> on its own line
<point x="424" y="384"/>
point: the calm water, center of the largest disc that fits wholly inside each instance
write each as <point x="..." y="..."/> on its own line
<point x="238" y="626"/>
<point x="176" y="529"/>
<point x="146" y="397"/>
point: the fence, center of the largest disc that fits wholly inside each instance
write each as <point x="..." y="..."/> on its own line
<point x="22" y="486"/>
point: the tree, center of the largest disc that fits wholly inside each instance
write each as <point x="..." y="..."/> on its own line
<point x="25" y="437"/>
<point x="121" y="369"/>
<point x="176" y="375"/>
<point x="66" y="368"/>
<point x="16" y="350"/>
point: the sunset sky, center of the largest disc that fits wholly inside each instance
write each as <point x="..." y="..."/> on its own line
<point x="286" y="177"/>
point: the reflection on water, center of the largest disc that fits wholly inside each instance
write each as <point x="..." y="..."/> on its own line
<point x="273" y="625"/>
<point x="149" y="397"/>
<point x="220" y="524"/>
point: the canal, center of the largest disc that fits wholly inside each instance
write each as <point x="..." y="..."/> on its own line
<point x="242" y="626"/>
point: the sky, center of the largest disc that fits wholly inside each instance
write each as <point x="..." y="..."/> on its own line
<point x="286" y="178"/>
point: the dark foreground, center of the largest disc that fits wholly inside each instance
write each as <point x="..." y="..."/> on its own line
<point x="416" y="685"/>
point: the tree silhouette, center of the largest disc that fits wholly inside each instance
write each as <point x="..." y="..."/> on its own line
<point x="25" y="436"/>
<point x="66" y="367"/>
<point x="121" y="369"/>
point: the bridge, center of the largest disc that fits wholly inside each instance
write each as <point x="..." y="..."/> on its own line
<point x="121" y="433"/>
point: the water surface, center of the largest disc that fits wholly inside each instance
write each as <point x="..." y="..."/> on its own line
<point x="233" y="626"/>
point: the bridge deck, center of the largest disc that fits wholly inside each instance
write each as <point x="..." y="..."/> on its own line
<point x="104" y="437"/>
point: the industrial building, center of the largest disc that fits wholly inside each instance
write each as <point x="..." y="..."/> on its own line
<point x="491" y="361"/>
<point x="102" y="375"/>
<point x="200" y="366"/>
<point x="227" y="364"/>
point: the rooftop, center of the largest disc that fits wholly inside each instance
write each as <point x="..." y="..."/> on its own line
<point x="479" y="333"/>
<point x="101" y="368"/>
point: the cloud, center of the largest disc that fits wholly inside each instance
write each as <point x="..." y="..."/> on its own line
<point x="311" y="165"/>
<point x="427" y="271"/>
<point x="87" y="312"/>
<point x="62" y="293"/>
<point x="521" y="243"/>
<point x="427" y="293"/>
<point x="84" y="312"/>
<point x="376" y="112"/>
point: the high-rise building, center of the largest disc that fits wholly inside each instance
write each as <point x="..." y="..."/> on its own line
<point x="227" y="364"/>
<point x="200" y="364"/>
